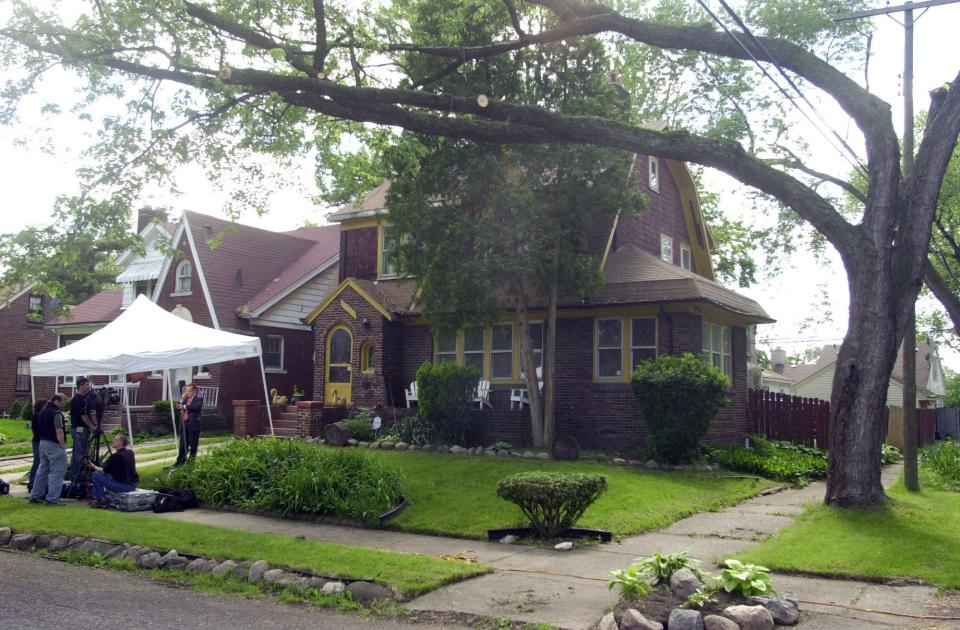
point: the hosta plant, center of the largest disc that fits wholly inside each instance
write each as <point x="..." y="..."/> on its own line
<point x="699" y="599"/>
<point x="748" y="579"/>
<point x="661" y="567"/>
<point x="633" y="582"/>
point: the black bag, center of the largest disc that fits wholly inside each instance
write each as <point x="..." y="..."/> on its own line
<point x="174" y="500"/>
<point x="4" y="487"/>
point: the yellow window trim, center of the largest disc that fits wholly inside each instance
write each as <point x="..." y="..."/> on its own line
<point x="356" y="224"/>
<point x="626" y="346"/>
<point x="487" y="372"/>
<point x="348" y="283"/>
<point x="365" y="366"/>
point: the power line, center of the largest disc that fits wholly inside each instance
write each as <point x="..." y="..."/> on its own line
<point x="855" y="161"/>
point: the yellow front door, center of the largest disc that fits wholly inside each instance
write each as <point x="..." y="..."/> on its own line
<point x="339" y="359"/>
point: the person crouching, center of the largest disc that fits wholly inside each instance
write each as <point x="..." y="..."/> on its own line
<point x="119" y="472"/>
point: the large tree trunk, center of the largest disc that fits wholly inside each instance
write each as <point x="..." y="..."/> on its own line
<point x="529" y="367"/>
<point x="859" y="396"/>
<point x="550" y="360"/>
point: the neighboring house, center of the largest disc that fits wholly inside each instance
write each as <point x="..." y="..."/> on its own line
<point x="815" y="380"/>
<point x="658" y="297"/>
<point x="22" y="316"/>
<point x="231" y="277"/>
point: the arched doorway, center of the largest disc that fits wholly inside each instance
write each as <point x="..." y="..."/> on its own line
<point x="339" y="359"/>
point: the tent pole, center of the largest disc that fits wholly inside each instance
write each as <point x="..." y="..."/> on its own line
<point x="33" y="391"/>
<point x="126" y="404"/>
<point x="266" y="394"/>
<point x="168" y="394"/>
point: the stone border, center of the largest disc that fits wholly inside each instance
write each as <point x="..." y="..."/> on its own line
<point x="254" y="572"/>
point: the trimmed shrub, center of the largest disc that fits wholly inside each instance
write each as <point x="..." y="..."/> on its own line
<point x="679" y="397"/>
<point x="291" y="477"/>
<point x="26" y="411"/>
<point x="445" y="391"/>
<point x="162" y="406"/>
<point x="361" y="427"/>
<point x="16" y="409"/>
<point x="553" y="502"/>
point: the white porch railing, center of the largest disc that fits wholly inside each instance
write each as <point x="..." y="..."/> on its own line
<point x="210" y="395"/>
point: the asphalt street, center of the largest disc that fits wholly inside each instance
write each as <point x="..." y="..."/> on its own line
<point x="43" y="594"/>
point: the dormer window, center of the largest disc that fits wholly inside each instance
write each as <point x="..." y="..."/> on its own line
<point x="184" y="278"/>
<point x="35" y="309"/>
<point x="685" y="258"/>
<point x="387" y="244"/>
<point x="666" y="248"/>
<point x="654" y="174"/>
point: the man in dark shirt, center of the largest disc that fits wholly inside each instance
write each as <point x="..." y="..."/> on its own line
<point x="119" y="473"/>
<point x="53" y="453"/>
<point x="81" y="425"/>
<point x="190" y="406"/>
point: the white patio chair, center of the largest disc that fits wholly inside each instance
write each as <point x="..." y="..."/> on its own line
<point x="483" y="394"/>
<point x="521" y="396"/>
<point x="411" y="394"/>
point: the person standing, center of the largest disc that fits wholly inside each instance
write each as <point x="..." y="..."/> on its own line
<point x="81" y="425"/>
<point x="53" y="453"/>
<point x="190" y="406"/>
<point x="119" y="472"/>
<point x="35" y="443"/>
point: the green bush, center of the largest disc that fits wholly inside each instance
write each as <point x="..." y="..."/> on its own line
<point x="361" y="427"/>
<point x="943" y="459"/>
<point x="445" y="391"/>
<point x="633" y="582"/>
<point x="16" y="409"/>
<point x="26" y="411"/>
<point x="292" y="477"/>
<point x="412" y="430"/>
<point x="679" y="397"/>
<point x="748" y="579"/>
<point x="552" y="502"/>
<point x="660" y="568"/>
<point x="890" y="454"/>
<point x="774" y="459"/>
<point x="162" y="406"/>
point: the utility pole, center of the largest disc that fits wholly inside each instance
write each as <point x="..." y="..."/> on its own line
<point x="909" y="348"/>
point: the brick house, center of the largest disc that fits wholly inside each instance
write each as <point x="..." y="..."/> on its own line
<point x="22" y="317"/>
<point x="227" y="276"/>
<point x="659" y="296"/>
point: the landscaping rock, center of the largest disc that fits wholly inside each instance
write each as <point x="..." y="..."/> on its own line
<point x="352" y="442"/>
<point x="320" y="441"/>
<point x="529" y="454"/>
<point x="96" y="546"/>
<point x="413" y="447"/>
<point x="177" y="563"/>
<point x="299" y="583"/>
<point x="428" y="447"/>
<point x="116" y="551"/>
<point x="509" y="539"/>
<point x="619" y="461"/>
<point x="633" y="620"/>
<point x="516" y="454"/>
<point x="684" y="583"/>
<point x="169" y="557"/>
<point x="367" y="592"/>
<point x="453" y="449"/>
<point x="682" y="619"/>
<point x="334" y="588"/>
<point x="784" y="612"/>
<point x="607" y="622"/>
<point x="716" y="622"/>
<point x="242" y="570"/>
<point x="401" y="446"/>
<point x="225" y="567"/>
<point x="149" y="561"/>
<point x="564" y="546"/>
<point x="602" y="458"/>
<point x="20" y="542"/>
<point x="273" y="576"/>
<point x="196" y="564"/>
<point x="42" y="541"/>
<point x="387" y="446"/>
<point x="210" y="564"/>
<point x="62" y="542"/>
<point x="503" y="453"/>
<point x="363" y="444"/>
<point x="749" y="617"/>
<point x="543" y="456"/>
<point x="336" y="434"/>
<point x="135" y="553"/>
<point x="5" y="535"/>
<point x="565" y="448"/>
<point x="652" y="464"/>
<point x="317" y="582"/>
<point x="376" y="445"/>
<point x="490" y="453"/>
<point x="443" y="449"/>
<point x="257" y="569"/>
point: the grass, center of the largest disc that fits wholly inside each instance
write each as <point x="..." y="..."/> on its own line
<point x="915" y="536"/>
<point x="456" y="495"/>
<point x="409" y="573"/>
<point x="16" y="430"/>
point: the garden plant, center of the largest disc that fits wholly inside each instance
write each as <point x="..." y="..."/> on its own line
<point x="445" y="393"/>
<point x="553" y="502"/>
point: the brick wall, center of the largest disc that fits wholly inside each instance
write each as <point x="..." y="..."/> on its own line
<point x="21" y="340"/>
<point x="297" y="363"/>
<point x="664" y="215"/>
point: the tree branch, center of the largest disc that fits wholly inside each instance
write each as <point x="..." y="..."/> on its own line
<point x="840" y="183"/>
<point x="514" y="18"/>
<point x="942" y="292"/>
<point x="320" y="54"/>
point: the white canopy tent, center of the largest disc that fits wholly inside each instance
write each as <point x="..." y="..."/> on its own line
<point x="146" y="338"/>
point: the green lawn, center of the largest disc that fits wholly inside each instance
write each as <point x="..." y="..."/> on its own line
<point x="410" y="573"/>
<point x="916" y="536"/>
<point x="16" y="430"/>
<point x="456" y="495"/>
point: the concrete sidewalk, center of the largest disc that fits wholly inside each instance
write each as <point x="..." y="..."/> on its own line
<point x="569" y="589"/>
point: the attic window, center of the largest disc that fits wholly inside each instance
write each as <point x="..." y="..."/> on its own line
<point x="207" y="234"/>
<point x="666" y="248"/>
<point x="35" y="309"/>
<point x="654" y="174"/>
<point x="184" y="277"/>
<point x="685" y="260"/>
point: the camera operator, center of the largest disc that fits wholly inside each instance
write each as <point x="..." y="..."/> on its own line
<point x="51" y="429"/>
<point x="119" y="472"/>
<point x="81" y="424"/>
<point x="190" y="406"/>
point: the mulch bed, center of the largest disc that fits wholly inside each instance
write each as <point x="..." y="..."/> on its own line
<point x="657" y="605"/>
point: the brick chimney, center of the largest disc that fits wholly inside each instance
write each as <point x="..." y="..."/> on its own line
<point x="778" y="356"/>
<point x="147" y="215"/>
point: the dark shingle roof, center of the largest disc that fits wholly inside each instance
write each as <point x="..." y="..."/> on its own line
<point x="101" y="308"/>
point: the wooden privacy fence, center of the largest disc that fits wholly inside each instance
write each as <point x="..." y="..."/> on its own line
<point x="926" y="426"/>
<point x="791" y="418"/>
<point x="948" y="421"/>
